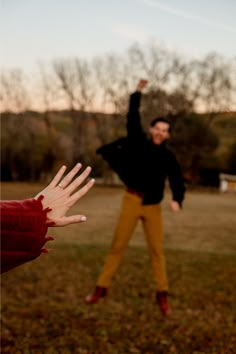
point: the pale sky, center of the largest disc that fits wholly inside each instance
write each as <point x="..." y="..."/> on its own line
<point x="44" y="30"/>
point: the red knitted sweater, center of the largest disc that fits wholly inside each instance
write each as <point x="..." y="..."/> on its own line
<point x="23" y="231"/>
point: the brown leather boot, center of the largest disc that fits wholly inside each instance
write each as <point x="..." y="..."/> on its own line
<point x="162" y="301"/>
<point x="99" y="292"/>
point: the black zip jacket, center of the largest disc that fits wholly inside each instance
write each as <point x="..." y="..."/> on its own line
<point x="142" y="165"/>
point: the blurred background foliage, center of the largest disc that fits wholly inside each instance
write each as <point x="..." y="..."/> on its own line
<point x="76" y="105"/>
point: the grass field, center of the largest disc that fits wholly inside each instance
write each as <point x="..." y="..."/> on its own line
<point x="43" y="309"/>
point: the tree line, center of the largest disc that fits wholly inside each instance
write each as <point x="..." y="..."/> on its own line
<point x="81" y="104"/>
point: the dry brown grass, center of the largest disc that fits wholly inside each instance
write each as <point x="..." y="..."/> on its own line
<point x="43" y="309"/>
<point x="207" y="221"/>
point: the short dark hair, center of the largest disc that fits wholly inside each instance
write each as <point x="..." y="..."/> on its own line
<point x="161" y="119"/>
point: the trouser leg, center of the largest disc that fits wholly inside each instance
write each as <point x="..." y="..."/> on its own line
<point x="152" y="224"/>
<point x="123" y="232"/>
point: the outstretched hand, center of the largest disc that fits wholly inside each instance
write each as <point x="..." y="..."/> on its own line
<point x="59" y="196"/>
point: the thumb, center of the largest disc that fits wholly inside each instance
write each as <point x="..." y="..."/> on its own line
<point x="73" y="219"/>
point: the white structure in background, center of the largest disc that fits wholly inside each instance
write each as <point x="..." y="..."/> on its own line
<point x="227" y="183"/>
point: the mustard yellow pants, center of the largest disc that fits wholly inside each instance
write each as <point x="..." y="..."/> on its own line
<point x="131" y="211"/>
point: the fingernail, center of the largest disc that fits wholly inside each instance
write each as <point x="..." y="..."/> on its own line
<point x="83" y="218"/>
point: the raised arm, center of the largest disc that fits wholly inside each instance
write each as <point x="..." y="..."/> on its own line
<point x="134" y="127"/>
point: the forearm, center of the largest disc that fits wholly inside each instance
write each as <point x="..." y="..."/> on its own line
<point x="176" y="180"/>
<point x="178" y="190"/>
<point x="134" y="127"/>
<point x="23" y="231"/>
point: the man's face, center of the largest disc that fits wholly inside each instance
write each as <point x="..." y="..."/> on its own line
<point x="159" y="132"/>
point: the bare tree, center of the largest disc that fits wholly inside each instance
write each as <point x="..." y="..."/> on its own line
<point x="49" y="96"/>
<point x="217" y="85"/>
<point x="112" y="77"/>
<point x="14" y="95"/>
<point x="208" y="84"/>
<point x="74" y="78"/>
<point x="14" y="99"/>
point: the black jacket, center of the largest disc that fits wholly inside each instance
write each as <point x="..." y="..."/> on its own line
<point x="142" y="165"/>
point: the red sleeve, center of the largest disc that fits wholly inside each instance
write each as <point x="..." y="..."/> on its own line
<point x="23" y="231"/>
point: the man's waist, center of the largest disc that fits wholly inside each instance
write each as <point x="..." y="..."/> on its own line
<point x="132" y="191"/>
